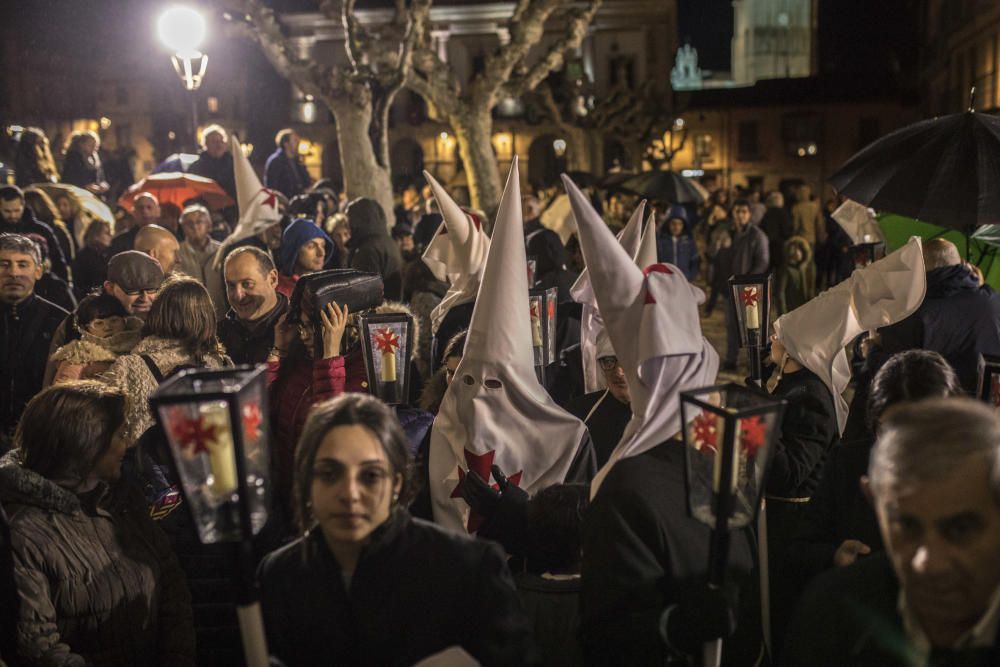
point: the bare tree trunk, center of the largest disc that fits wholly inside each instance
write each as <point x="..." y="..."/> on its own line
<point x="578" y="156"/>
<point x="473" y="130"/>
<point x="363" y="176"/>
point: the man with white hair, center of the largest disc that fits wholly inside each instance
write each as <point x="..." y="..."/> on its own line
<point x="959" y="318"/>
<point x="933" y="598"/>
<point x="196" y="255"/>
<point x="215" y="161"/>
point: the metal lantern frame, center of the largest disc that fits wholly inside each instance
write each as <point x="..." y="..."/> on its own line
<point x="532" y="271"/>
<point x="195" y="388"/>
<point x="368" y="324"/>
<point x="751" y="294"/>
<point x="988" y="389"/>
<point x="867" y="253"/>
<point x="227" y="386"/>
<point x="543" y="307"/>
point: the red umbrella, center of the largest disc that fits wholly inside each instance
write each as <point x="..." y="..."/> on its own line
<point x="177" y="187"/>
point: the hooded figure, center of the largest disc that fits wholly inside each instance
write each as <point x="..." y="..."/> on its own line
<point x="642" y="551"/>
<point x="590" y="321"/>
<point x="456" y="254"/>
<point x="295" y="236"/>
<point x="258" y="205"/>
<point x="372" y="249"/>
<point x="796" y="276"/>
<point x="651" y="315"/>
<point x="495" y="412"/>
<point x="880" y="294"/>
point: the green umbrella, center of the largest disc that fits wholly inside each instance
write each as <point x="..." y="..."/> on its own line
<point x="981" y="249"/>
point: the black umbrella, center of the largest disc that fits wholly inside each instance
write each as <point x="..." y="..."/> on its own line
<point x="615" y="178"/>
<point x="945" y="170"/>
<point x="583" y="179"/>
<point x="665" y="186"/>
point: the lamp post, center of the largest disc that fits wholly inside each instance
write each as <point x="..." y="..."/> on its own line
<point x="182" y="30"/>
<point x="751" y="298"/>
<point x="216" y="427"/>
<point x="728" y="441"/>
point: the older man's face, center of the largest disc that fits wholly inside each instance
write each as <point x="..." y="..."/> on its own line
<point x="18" y="274"/>
<point x="146" y="211"/>
<point x="136" y="302"/>
<point x="943" y="537"/>
<point x="215" y="145"/>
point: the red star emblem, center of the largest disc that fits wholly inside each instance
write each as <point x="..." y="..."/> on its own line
<point x="480" y="464"/>
<point x="552" y="310"/>
<point x="752" y="433"/>
<point x="474" y="218"/>
<point x="749" y="296"/>
<point x="191" y="434"/>
<point x="252" y="420"/>
<point x="272" y="198"/>
<point x="705" y="432"/>
<point x="654" y="268"/>
<point x="386" y="341"/>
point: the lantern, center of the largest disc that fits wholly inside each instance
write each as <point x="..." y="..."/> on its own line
<point x="864" y="254"/>
<point x="989" y="379"/>
<point x="532" y="270"/>
<point x="387" y="342"/>
<point x="542" y="305"/>
<point x="216" y="426"/>
<point x="751" y="299"/>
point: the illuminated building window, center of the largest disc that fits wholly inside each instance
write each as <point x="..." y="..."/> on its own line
<point x="212" y="103"/>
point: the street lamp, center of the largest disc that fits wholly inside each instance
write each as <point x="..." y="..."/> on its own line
<point x="182" y="30"/>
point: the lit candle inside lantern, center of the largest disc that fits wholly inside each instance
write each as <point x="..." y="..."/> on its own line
<point x="387" y="342"/>
<point x="536" y="325"/>
<point x="720" y="438"/>
<point x="388" y="367"/>
<point x="750" y="299"/>
<point x="221" y="454"/>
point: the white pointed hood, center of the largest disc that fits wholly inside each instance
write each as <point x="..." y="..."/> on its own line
<point x="652" y="319"/>
<point x="495" y="411"/>
<point x="859" y="222"/>
<point x="590" y="318"/>
<point x="457" y="253"/>
<point x="646" y="254"/>
<point x="258" y="205"/>
<point x="883" y="293"/>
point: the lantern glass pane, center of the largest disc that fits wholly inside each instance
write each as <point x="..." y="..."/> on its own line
<point x="750" y="299"/>
<point x="388" y="342"/>
<point x="734" y="418"/>
<point x="536" y="305"/>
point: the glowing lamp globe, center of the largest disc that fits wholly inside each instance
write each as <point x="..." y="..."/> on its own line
<point x="182" y="30"/>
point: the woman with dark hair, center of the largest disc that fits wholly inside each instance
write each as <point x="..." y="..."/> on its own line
<point x="82" y="166"/>
<point x="179" y="333"/>
<point x="98" y="582"/>
<point x="366" y="583"/>
<point x="33" y="162"/>
<point x="46" y="211"/>
<point x="90" y="268"/>
<point x="838" y="525"/>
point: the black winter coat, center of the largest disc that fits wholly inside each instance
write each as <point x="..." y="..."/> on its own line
<point x="849" y="616"/>
<point x="219" y="169"/>
<point x="250" y="342"/>
<point x="605" y="417"/>
<point x="416" y="591"/>
<point x="836" y="511"/>
<point x="90" y="269"/>
<point x="30" y="225"/>
<point x="286" y="175"/>
<point x="372" y="249"/>
<point x="26" y="330"/>
<point x="79" y="172"/>
<point x="640" y="547"/>
<point x="958" y="319"/>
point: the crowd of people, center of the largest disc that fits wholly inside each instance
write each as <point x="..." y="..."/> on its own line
<point x="505" y="511"/>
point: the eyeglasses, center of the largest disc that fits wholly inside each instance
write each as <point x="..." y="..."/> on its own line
<point x="608" y="363"/>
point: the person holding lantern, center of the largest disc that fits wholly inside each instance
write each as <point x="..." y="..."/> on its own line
<point x="324" y="596"/>
<point x="99" y="583"/>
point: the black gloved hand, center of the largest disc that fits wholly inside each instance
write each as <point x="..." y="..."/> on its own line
<point x="701" y="614"/>
<point x="480" y="496"/>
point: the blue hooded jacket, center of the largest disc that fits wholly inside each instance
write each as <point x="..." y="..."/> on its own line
<point x="296" y="235"/>
<point x="682" y="251"/>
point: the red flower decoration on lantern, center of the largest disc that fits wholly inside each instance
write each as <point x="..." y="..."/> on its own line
<point x="749" y="296"/>
<point x="386" y="341"/>
<point x="252" y="419"/>
<point x="191" y="434"/>
<point x="705" y="432"/>
<point x="752" y="433"/>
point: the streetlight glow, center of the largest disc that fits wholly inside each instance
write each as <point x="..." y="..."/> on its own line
<point x="182" y="30"/>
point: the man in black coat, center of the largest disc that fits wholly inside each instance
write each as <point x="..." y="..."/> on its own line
<point x="749" y="254"/>
<point x="247" y="330"/>
<point x="372" y="249"/>
<point x="214" y="161"/>
<point x="605" y="412"/>
<point x="284" y="170"/>
<point x="27" y="323"/>
<point x="959" y="318"/>
<point x="933" y="598"/>
<point x="16" y="218"/>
